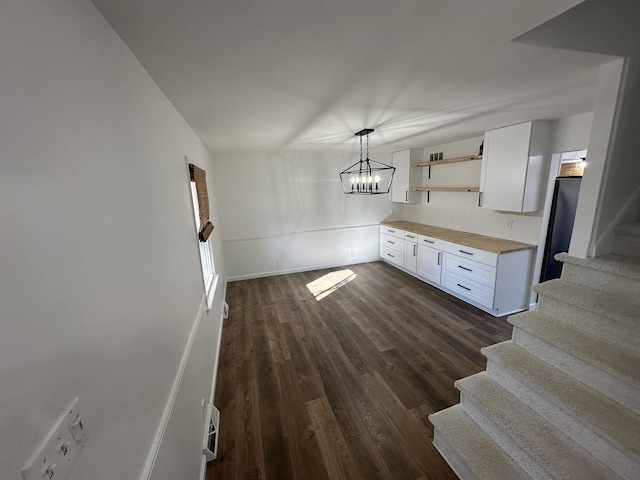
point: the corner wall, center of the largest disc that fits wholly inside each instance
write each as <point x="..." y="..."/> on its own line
<point x="101" y="288"/>
<point x="460" y="211"/>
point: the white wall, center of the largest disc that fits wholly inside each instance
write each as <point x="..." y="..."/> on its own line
<point x="286" y="212"/>
<point x="459" y="211"/>
<point x="100" y="284"/>
<point x="572" y="133"/>
<point x="620" y="184"/>
<point x="599" y="159"/>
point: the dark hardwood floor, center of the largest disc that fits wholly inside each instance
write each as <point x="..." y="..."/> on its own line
<point x="341" y="387"/>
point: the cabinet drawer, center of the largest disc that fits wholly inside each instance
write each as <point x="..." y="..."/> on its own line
<point x="393" y="243"/>
<point x="474" y="291"/>
<point x="430" y="242"/>
<point x="470" y="269"/>
<point x="393" y="256"/>
<point x="410" y="237"/>
<point x="470" y="253"/>
<point x="394" y="232"/>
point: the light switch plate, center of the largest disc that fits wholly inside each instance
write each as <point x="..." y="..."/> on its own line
<point x="60" y="449"/>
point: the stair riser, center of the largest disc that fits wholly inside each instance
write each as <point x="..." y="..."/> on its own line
<point x="619" y="390"/>
<point x="604" y="281"/>
<point x="627" y="246"/>
<point x="615" y="332"/>
<point x="504" y="441"/>
<point x="449" y="453"/>
<point x="623" y="463"/>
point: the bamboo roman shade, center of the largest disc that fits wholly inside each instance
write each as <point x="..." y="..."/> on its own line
<point x="199" y="176"/>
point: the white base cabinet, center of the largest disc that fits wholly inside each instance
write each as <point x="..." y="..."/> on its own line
<point x="411" y="251"/>
<point x="498" y="283"/>
<point x="429" y="259"/>
<point x="399" y="247"/>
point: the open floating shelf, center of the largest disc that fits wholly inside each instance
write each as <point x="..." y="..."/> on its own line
<point x="468" y="158"/>
<point x="445" y="189"/>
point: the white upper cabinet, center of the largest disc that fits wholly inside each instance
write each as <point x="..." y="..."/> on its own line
<point x="514" y="167"/>
<point x="407" y="177"/>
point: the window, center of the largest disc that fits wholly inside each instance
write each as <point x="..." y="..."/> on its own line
<point x="204" y="228"/>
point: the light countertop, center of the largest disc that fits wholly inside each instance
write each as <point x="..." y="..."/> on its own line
<point x="482" y="242"/>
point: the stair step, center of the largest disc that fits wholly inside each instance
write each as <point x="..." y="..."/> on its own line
<point x="631" y="229"/>
<point x="610" y="370"/>
<point x="610" y="317"/>
<point x="626" y="246"/>
<point x="535" y="444"/>
<point x="468" y="450"/>
<point x="610" y="269"/>
<point x="607" y="430"/>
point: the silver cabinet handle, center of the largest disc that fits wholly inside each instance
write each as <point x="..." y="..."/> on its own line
<point x="392" y="243"/>
<point x="439" y="253"/>
<point x="406" y="195"/>
<point x="389" y="255"/>
<point x="466" y="288"/>
<point x="428" y="241"/>
<point x="411" y="236"/>
<point x="415" y="247"/>
<point x="465" y="268"/>
<point x="480" y="199"/>
<point x="465" y="252"/>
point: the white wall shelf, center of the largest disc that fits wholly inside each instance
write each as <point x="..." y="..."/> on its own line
<point x="446" y="161"/>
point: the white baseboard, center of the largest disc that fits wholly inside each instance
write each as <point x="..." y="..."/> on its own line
<point x="299" y="269"/>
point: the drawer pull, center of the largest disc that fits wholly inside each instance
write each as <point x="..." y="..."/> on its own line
<point x="439" y="253"/>
<point x="390" y="231"/>
<point x="411" y="236"/>
<point x="392" y="243"/>
<point x="415" y="247"/>
<point x="466" y="288"/>
<point x="389" y="255"/>
<point x="465" y="252"/>
<point x="465" y="268"/>
<point x="428" y="241"/>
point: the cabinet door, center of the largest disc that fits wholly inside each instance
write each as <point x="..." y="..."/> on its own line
<point x="504" y="167"/>
<point x="410" y="256"/>
<point x="406" y="177"/>
<point x="429" y="263"/>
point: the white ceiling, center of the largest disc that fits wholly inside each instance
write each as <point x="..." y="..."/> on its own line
<point x="299" y="74"/>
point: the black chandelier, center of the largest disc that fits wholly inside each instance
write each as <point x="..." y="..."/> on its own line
<point x="366" y="177"/>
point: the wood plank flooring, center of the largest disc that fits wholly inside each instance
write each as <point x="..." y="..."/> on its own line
<point x="341" y="387"/>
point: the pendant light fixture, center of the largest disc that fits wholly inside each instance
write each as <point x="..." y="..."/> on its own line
<point x="366" y="177"/>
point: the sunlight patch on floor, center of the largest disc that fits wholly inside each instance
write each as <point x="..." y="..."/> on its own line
<point x="329" y="283"/>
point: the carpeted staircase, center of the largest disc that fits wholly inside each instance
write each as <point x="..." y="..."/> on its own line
<point x="561" y="399"/>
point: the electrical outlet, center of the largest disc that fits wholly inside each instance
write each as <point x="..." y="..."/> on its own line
<point x="510" y="223"/>
<point x="60" y="449"/>
<point x="352" y="254"/>
<point x="452" y="216"/>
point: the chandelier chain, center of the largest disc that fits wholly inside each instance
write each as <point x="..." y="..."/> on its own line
<point x="367" y="146"/>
